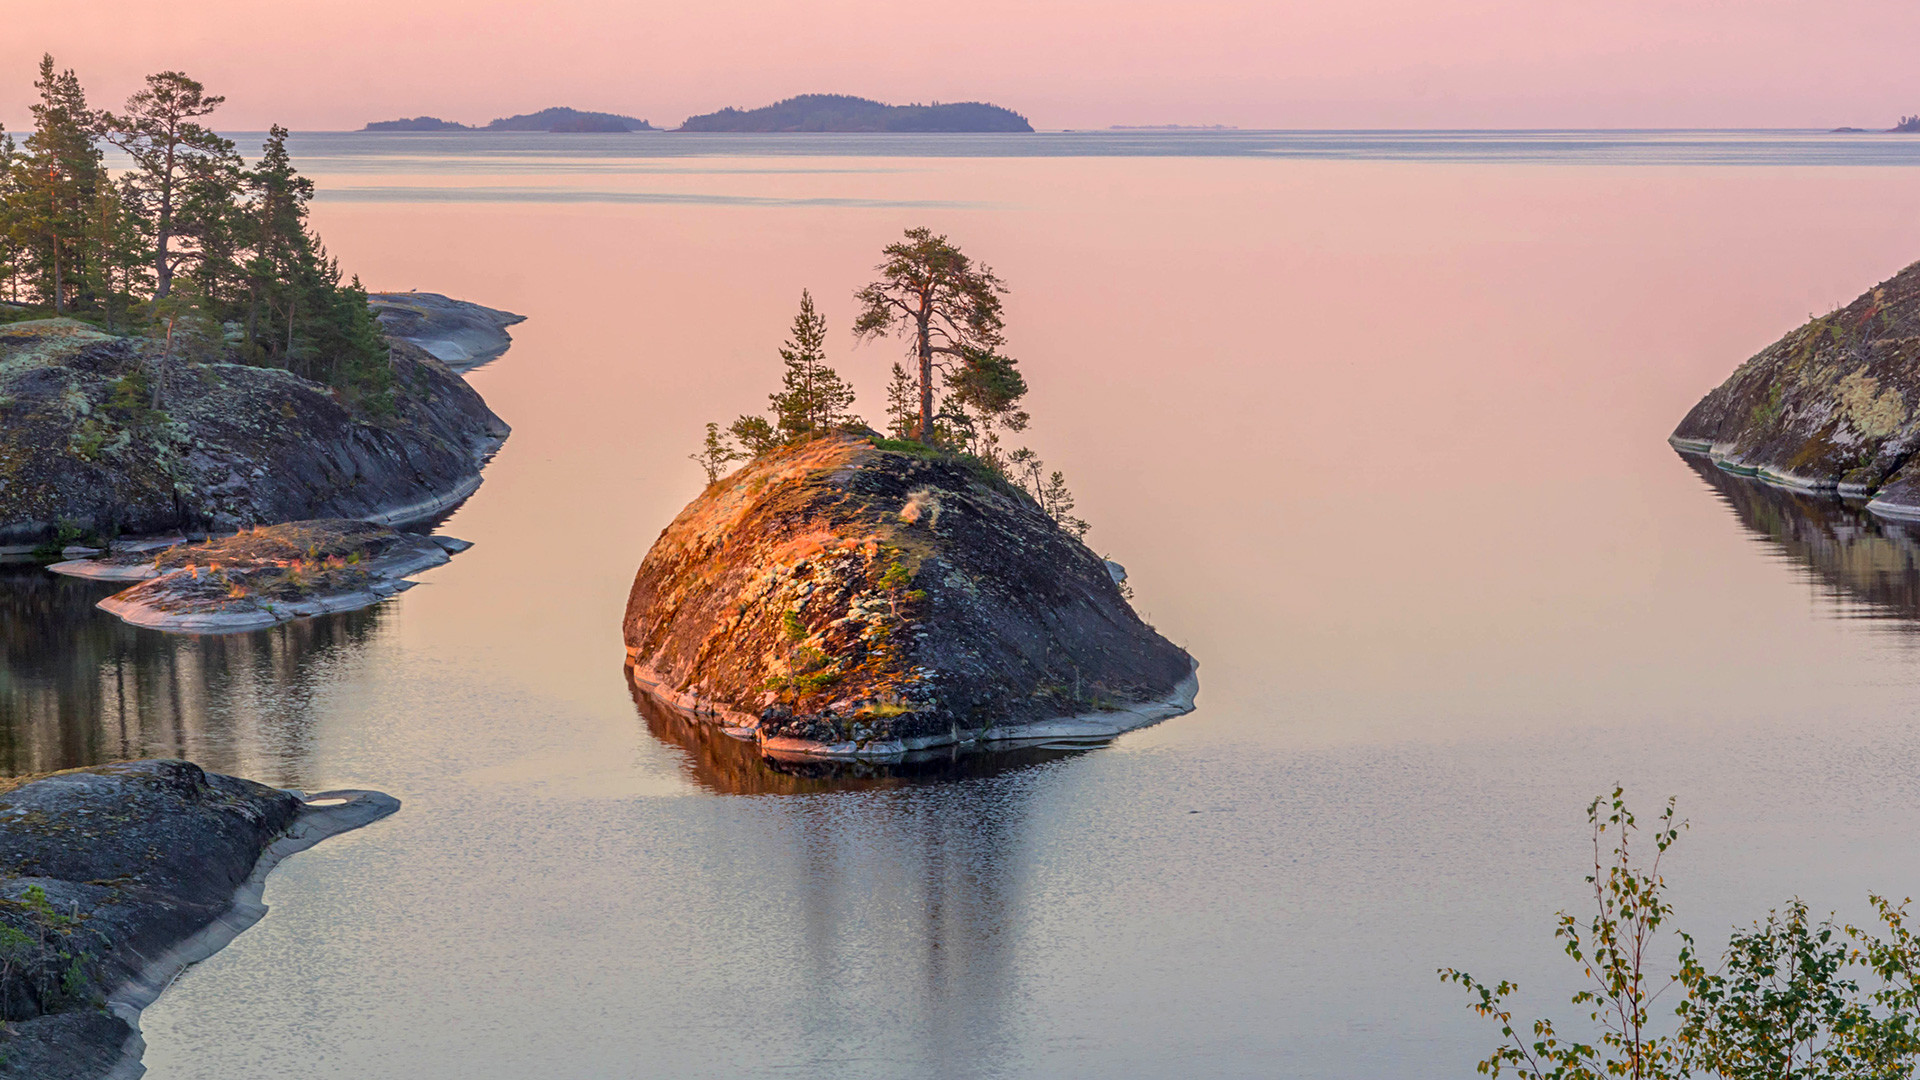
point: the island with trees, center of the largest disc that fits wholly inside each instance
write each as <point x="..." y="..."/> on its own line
<point x="179" y="353"/>
<point x="849" y="593"/>
<point x="557" y="119"/>
<point x="842" y="113"/>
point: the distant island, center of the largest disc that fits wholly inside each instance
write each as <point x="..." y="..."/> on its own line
<point x="418" y="123"/>
<point x="556" y="119"/>
<point x="840" y="112"/>
<point x="1908" y="125"/>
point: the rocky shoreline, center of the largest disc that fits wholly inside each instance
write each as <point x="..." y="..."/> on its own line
<point x="847" y="598"/>
<point x="263" y="576"/>
<point x="1829" y="408"/>
<point x="84" y="457"/>
<point x="459" y="334"/>
<point x="115" y="879"/>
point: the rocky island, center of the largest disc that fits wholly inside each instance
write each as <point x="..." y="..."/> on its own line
<point x="852" y="597"/>
<point x="1830" y="407"/>
<point x="114" y="878"/>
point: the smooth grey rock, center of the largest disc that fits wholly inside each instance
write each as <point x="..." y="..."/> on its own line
<point x="459" y="334"/>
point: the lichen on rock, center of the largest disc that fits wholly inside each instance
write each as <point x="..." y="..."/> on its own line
<point x="838" y="597"/>
<point x="262" y="576"/>
<point x="1828" y="407"/>
<point x="84" y="454"/>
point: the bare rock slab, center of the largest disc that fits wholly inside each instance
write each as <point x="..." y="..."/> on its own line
<point x="457" y="333"/>
<point x="263" y="576"/>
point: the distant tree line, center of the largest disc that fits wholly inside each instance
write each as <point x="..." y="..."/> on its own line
<point x="190" y="243"/>
<point x="961" y="395"/>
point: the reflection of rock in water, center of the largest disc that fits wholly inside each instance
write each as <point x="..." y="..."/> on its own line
<point x="1859" y="558"/>
<point x="903" y="874"/>
<point x="730" y="766"/>
<point x="78" y="687"/>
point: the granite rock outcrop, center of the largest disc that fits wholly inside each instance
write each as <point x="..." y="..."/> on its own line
<point x="846" y="597"/>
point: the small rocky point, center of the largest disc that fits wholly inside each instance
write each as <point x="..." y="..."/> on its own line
<point x="104" y="873"/>
<point x="458" y="333"/>
<point x="1828" y="408"/>
<point x="262" y="576"/>
<point x="849" y="597"/>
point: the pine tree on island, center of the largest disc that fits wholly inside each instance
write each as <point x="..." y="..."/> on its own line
<point x="961" y="400"/>
<point x="187" y="241"/>
<point x="812" y="400"/>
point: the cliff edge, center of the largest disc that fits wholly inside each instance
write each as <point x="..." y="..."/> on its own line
<point x="849" y="598"/>
<point x="1829" y="407"/>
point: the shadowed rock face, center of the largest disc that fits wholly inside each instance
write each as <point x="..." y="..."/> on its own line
<point x="834" y="594"/>
<point x="1829" y="407"/>
<point x="237" y="445"/>
<point x="458" y="334"/>
<point x="127" y="861"/>
<point x="114" y="878"/>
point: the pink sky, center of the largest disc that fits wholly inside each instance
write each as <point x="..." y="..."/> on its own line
<point x="1064" y="63"/>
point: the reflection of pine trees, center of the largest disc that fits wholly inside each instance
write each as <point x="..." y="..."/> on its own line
<point x="1853" y="557"/>
<point x="79" y="687"/>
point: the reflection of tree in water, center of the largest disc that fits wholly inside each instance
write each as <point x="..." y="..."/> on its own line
<point x="1868" y="567"/>
<point x="910" y="879"/>
<point x="78" y="686"/>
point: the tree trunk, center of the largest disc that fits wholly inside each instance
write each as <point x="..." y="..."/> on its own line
<point x="926" y="384"/>
<point x="59" y="281"/>
<point x="162" y="265"/>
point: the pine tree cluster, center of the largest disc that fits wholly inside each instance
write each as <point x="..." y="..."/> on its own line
<point x="189" y="244"/>
<point x="963" y="399"/>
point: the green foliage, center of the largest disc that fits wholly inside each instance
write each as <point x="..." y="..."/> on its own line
<point x="791" y="625"/>
<point x="187" y="240"/>
<point x="903" y="404"/>
<point x="1049" y="492"/>
<point x="1616" y="958"/>
<point x="716" y="454"/>
<point x="1786" y="1001"/>
<point x="813" y="399"/>
<point x="896" y="578"/>
<point x="756" y="436"/>
<point x="1769" y="410"/>
<point x="945" y="306"/>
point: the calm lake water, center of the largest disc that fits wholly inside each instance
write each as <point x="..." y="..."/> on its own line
<point x="1377" y="423"/>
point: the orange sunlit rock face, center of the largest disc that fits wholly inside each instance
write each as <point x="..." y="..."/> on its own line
<point x="838" y="594"/>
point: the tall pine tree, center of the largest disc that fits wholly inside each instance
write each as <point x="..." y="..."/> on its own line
<point x="813" y="398"/>
<point x="173" y="153"/>
<point x="55" y="186"/>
